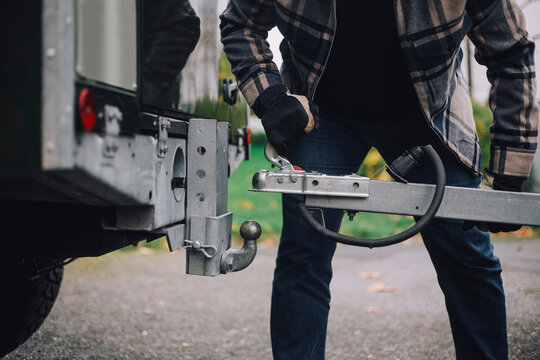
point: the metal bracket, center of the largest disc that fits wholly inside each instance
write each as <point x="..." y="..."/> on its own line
<point x="163" y="126"/>
<point x="230" y="91"/>
<point x="113" y="118"/>
<point x="310" y="183"/>
<point x="174" y="234"/>
<point x="240" y="151"/>
<point x="210" y="236"/>
<point x="207" y="219"/>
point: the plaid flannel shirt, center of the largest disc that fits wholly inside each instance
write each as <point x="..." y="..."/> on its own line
<point x="430" y="34"/>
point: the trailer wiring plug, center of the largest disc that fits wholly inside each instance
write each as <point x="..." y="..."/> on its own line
<point x="400" y="167"/>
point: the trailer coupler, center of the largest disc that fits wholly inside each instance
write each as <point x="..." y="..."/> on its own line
<point x="399" y="169"/>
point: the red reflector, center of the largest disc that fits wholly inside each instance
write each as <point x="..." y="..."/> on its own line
<point x="297" y="168"/>
<point x="248" y="136"/>
<point x="87" y="109"/>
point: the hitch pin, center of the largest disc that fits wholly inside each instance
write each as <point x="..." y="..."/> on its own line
<point x="196" y="245"/>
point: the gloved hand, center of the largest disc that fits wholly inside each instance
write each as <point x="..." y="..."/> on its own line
<point x="492" y="182"/>
<point x="285" y="117"/>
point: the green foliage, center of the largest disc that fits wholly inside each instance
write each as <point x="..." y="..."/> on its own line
<point x="258" y="138"/>
<point x="207" y="107"/>
<point x="246" y="205"/>
<point x="483" y="118"/>
<point x="236" y="114"/>
<point x="372" y="165"/>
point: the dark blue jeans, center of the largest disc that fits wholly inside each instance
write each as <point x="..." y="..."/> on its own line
<point x="468" y="272"/>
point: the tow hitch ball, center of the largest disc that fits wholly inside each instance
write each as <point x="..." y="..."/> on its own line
<point x="238" y="259"/>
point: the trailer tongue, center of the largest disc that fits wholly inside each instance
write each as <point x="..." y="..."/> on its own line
<point x="354" y="193"/>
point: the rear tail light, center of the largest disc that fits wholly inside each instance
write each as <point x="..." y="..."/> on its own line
<point x="248" y="143"/>
<point x="87" y="109"/>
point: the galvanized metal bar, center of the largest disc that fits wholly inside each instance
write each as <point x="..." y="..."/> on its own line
<point x="202" y="177"/>
<point x="311" y="183"/>
<point x="458" y="203"/>
<point x="207" y="220"/>
<point x="404" y="199"/>
<point x="213" y="235"/>
<point x="222" y="167"/>
<point x="58" y="88"/>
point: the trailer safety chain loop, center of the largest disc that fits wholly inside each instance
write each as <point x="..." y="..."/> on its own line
<point x="410" y="232"/>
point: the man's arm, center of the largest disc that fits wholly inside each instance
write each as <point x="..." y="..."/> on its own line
<point x="244" y="29"/>
<point x="503" y="46"/>
<point x="285" y="117"/>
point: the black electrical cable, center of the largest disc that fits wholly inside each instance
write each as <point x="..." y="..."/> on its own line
<point x="69" y="261"/>
<point x="394" y="239"/>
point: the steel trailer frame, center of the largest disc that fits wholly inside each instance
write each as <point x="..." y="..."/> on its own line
<point x="354" y="193"/>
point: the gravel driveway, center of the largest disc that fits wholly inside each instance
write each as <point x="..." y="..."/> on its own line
<point x="386" y="305"/>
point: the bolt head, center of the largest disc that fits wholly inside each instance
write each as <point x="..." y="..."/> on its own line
<point x="51" y="52"/>
<point x="49" y="147"/>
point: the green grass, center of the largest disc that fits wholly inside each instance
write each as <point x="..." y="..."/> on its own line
<point x="266" y="207"/>
<point x="247" y="205"/>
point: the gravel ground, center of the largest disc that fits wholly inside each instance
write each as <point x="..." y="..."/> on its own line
<point x="386" y="305"/>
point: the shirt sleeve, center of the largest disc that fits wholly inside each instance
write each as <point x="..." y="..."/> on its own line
<point x="244" y="29"/>
<point x="502" y="45"/>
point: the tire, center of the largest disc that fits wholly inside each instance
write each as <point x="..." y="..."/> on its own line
<point x="27" y="298"/>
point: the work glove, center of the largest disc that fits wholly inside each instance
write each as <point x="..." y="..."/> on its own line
<point x="285" y="117"/>
<point x="493" y="182"/>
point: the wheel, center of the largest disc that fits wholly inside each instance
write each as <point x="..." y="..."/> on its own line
<point x="28" y="293"/>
